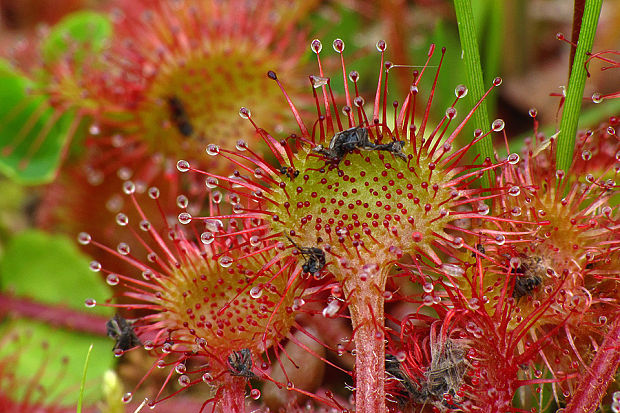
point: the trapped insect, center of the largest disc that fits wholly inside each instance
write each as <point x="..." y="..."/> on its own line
<point x="179" y="116"/>
<point x="529" y="275"/>
<point x="347" y="141"/>
<point x="315" y="258"/>
<point x="240" y="363"/>
<point x="122" y="331"/>
<point x="289" y="172"/>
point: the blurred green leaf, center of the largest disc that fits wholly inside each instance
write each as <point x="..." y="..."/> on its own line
<point x="40" y="355"/>
<point x="77" y="35"/>
<point x="50" y="269"/>
<point x="32" y="134"/>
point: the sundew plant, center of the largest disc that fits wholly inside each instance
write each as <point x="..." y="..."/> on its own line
<point x="247" y="206"/>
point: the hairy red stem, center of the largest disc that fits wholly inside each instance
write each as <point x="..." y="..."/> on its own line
<point x="367" y="316"/>
<point x="232" y="398"/>
<point x="594" y="384"/>
<point x="54" y="315"/>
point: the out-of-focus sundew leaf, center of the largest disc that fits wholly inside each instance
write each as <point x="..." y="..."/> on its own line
<point x="78" y="34"/>
<point x="51" y="361"/>
<point x="50" y="269"/>
<point x="32" y="134"/>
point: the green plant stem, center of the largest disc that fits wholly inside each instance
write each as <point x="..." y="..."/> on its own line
<point x="475" y="84"/>
<point x="82" y="384"/>
<point x="576" y="84"/>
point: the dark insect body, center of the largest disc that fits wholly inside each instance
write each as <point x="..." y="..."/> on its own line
<point x="121" y="330"/>
<point x="347" y="141"/>
<point x="444" y="376"/>
<point x="315" y="258"/>
<point x="407" y="388"/>
<point x="529" y="275"/>
<point x="240" y="363"/>
<point x="290" y="172"/>
<point x="179" y="116"/>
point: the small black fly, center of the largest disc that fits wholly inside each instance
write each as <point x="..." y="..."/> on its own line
<point x="121" y="330"/>
<point x="179" y="116"/>
<point x="315" y="258"/>
<point x="347" y="141"/>
<point x="240" y="363"/>
<point x="290" y="172"/>
<point x="529" y="275"/>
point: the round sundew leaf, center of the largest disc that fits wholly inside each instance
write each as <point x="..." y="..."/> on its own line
<point x="38" y="354"/>
<point x="78" y="34"/>
<point x="32" y="134"/>
<point x="50" y="269"/>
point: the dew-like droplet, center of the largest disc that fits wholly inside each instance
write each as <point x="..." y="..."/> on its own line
<point x="112" y="279"/>
<point x="255" y="394"/>
<point x="225" y="261"/>
<point x="483" y="209"/>
<point x="207" y="377"/>
<point x="428" y="300"/>
<point x="184" y="381"/>
<point x="428" y="287"/>
<point x="498" y="125"/>
<point x="254" y="241"/>
<point x="513" y="158"/>
<point x="340" y="349"/>
<point x="381" y="45"/>
<point x="316" y="46"/>
<point x="516" y="211"/>
<point x="514" y="191"/>
<point x="500" y="239"/>
<point x="147" y="275"/>
<point x="149" y="345"/>
<point x="597" y="97"/>
<point x="241" y="145"/>
<point x="354" y="76"/>
<point x="207" y="237"/>
<point x="126" y="398"/>
<point x="122" y="219"/>
<point x="153" y="192"/>
<point x="318" y="81"/>
<point x="586" y="155"/>
<point x="331" y="309"/>
<point x="129" y="187"/>
<point x="84" y="238"/>
<point x="460" y="91"/>
<point x="90" y="302"/>
<point x="338" y="45"/>
<point x="182" y="201"/>
<point x="185" y="218"/>
<point x="123" y="248"/>
<point x="245" y="113"/>
<point x="358" y="101"/>
<point x="182" y="166"/>
<point x="497" y="81"/>
<point x="533" y="112"/>
<point x="94" y="129"/>
<point x="515" y="262"/>
<point x="256" y="292"/>
<point x="473" y="304"/>
<point x="94" y="266"/>
<point x="180" y="368"/>
<point x="212" y="149"/>
<point x="458" y="242"/>
<point x="451" y="113"/>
